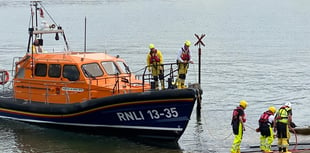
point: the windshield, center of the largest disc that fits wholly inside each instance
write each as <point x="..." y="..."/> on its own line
<point x="110" y="67"/>
<point x="123" y="66"/>
<point x="92" y="70"/>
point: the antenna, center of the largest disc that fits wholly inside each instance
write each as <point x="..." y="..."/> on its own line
<point x="85" y="35"/>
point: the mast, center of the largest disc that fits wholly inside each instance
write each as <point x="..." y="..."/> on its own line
<point x="85" y="35"/>
<point x="35" y="30"/>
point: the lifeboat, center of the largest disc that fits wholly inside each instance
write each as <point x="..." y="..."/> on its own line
<point x="89" y="91"/>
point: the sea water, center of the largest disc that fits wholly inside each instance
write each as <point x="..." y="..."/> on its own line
<point x="255" y="50"/>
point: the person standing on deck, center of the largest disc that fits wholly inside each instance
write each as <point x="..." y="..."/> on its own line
<point x="266" y="122"/>
<point x="154" y="62"/>
<point x="183" y="60"/>
<point x="237" y="123"/>
<point x="36" y="47"/>
<point x="283" y="122"/>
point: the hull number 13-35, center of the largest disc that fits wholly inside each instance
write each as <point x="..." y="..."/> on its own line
<point x="165" y="113"/>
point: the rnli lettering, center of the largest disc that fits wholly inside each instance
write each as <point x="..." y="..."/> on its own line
<point x="130" y="116"/>
<point x="153" y="114"/>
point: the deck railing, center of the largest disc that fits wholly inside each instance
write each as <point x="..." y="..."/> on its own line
<point x="172" y="69"/>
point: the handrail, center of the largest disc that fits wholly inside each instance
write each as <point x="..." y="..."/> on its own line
<point x="148" y="76"/>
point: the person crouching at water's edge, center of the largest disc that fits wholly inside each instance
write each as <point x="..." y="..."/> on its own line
<point x="154" y="62"/>
<point x="237" y="122"/>
<point x="183" y="60"/>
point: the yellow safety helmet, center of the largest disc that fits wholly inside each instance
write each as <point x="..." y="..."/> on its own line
<point x="272" y="109"/>
<point x="152" y="46"/>
<point x="187" y="43"/>
<point x="243" y="104"/>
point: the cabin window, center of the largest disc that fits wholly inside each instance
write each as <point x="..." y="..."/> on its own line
<point x="40" y="70"/>
<point x="20" y="73"/>
<point x="92" y="70"/>
<point x="110" y="68"/>
<point x="71" y="72"/>
<point x="123" y="66"/>
<point x="54" y="70"/>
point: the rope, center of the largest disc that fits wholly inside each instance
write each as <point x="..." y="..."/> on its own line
<point x="295" y="137"/>
<point x="48" y="14"/>
<point x="250" y="127"/>
<point x="228" y="136"/>
<point x="139" y="70"/>
<point x="195" y="71"/>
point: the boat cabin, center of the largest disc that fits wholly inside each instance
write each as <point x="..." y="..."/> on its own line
<point x="73" y="77"/>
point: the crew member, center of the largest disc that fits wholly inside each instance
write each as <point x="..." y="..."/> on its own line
<point x="266" y="122"/>
<point x="283" y="120"/>
<point x="154" y="62"/>
<point x="36" y="47"/>
<point x="237" y="122"/>
<point x="183" y="60"/>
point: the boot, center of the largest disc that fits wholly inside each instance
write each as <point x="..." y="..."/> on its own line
<point x="182" y="83"/>
<point x="285" y="150"/>
<point x="179" y="84"/>
<point x="162" y="82"/>
<point x="156" y="85"/>
<point x="280" y="149"/>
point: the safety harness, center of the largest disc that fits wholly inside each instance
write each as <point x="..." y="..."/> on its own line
<point x="185" y="56"/>
<point x="154" y="57"/>
<point x="264" y="118"/>
<point x="282" y="115"/>
<point x="237" y="112"/>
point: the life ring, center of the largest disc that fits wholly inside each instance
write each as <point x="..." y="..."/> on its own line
<point x="4" y="77"/>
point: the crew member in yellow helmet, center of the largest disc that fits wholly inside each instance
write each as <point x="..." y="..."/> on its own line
<point x="155" y="62"/>
<point x="237" y="123"/>
<point x="283" y="121"/>
<point x="183" y="60"/>
<point x="266" y="122"/>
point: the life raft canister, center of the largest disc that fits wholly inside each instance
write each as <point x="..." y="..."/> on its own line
<point x="4" y="77"/>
